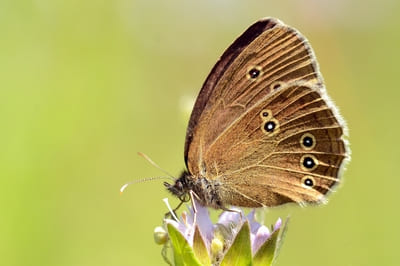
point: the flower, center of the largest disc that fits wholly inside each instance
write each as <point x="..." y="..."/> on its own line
<point x="195" y="240"/>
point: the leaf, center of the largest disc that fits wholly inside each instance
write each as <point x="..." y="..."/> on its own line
<point x="239" y="253"/>
<point x="183" y="252"/>
<point x="200" y="249"/>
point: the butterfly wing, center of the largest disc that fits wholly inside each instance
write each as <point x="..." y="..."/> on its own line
<point x="260" y="102"/>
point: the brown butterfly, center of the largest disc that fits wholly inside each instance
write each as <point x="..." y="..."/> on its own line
<point x="263" y="131"/>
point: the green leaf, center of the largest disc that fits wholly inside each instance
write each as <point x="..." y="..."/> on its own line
<point x="200" y="249"/>
<point x="239" y="253"/>
<point x="183" y="252"/>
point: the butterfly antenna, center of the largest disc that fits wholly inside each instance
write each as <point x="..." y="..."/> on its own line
<point x="147" y="158"/>
<point x="122" y="189"/>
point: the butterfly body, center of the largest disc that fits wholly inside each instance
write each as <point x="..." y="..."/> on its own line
<point x="206" y="191"/>
<point x="263" y="132"/>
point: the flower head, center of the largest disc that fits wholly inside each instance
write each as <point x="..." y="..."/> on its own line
<point x="196" y="240"/>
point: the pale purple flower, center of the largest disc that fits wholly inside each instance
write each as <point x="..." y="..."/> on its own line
<point x="231" y="221"/>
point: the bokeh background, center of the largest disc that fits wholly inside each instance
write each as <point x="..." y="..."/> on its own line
<point x="85" y="85"/>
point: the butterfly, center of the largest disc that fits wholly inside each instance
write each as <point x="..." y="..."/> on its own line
<point x="263" y="131"/>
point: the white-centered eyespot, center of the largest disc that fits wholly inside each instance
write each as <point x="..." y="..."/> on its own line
<point x="308" y="141"/>
<point x="308" y="181"/>
<point x="308" y="162"/>
<point x="270" y="127"/>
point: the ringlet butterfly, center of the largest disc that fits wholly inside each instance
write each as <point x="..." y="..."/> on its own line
<point x="263" y="131"/>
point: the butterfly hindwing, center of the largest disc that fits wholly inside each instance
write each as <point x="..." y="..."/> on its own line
<point x="277" y="166"/>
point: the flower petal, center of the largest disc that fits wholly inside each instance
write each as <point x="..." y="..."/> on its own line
<point x="227" y="218"/>
<point x="261" y="236"/>
<point x="204" y="223"/>
<point x="254" y="225"/>
<point x="278" y="224"/>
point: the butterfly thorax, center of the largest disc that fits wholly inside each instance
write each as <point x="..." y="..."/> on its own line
<point x="205" y="190"/>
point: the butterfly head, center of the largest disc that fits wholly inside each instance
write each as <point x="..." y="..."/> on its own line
<point x="181" y="187"/>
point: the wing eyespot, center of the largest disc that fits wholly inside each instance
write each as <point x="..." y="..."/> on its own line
<point x="270" y="127"/>
<point x="308" y="162"/>
<point x="308" y="181"/>
<point x="266" y="114"/>
<point x="276" y="85"/>
<point x="308" y="141"/>
<point x="254" y="72"/>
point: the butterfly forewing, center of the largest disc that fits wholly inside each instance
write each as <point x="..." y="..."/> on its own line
<point x="279" y="53"/>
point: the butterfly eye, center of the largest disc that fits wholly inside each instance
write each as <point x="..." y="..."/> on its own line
<point x="179" y="185"/>
<point x="254" y="72"/>
<point x="308" y="162"/>
<point x="307" y="141"/>
<point x="308" y="181"/>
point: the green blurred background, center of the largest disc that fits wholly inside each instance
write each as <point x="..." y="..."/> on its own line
<point x="85" y="85"/>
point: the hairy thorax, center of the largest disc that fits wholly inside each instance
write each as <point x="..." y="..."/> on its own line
<point x="205" y="190"/>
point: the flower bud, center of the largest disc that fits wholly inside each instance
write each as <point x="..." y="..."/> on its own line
<point x="160" y="235"/>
